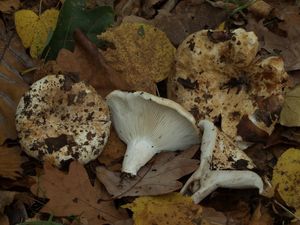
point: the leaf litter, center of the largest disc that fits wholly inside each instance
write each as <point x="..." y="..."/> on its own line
<point x="277" y="32"/>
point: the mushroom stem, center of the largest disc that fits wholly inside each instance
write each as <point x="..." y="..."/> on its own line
<point x="139" y="152"/>
<point x="209" y="179"/>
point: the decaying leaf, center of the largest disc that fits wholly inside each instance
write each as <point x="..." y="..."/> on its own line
<point x="88" y="63"/>
<point x="284" y="40"/>
<point x="290" y="113"/>
<point x="6" y="198"/>
<point x="158" y="177"/>
<point x="261" y="216"/>
<point x="10" y="162"/>
<point x="172" y="209"/>
<point x="73" y="194"/>
<point x="286" y="178"/>
<point x="113" y="151"/>
<point x="8" y="6"/>
<point x="35" y="30"/>
<point x="141" y="52"/>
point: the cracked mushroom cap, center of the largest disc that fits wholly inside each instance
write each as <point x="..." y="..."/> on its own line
<point x="218" y="78"/>
<point x="148" y="125"/>
<point x="60" y="118"/>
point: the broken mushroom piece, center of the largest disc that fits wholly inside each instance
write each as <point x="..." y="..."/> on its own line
<point x="205" y="180"/>
<point x="148" y="125"/>
<point x="219" y="78"/>
<point x="60" y="118"/>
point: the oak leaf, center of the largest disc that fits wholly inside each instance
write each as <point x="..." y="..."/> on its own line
<point x="168" y="209"/>
<point x="156" y="178"/>
<point x="73" y="194"/>
<point x="10" y="162"/>
<point x="286" y="178"/>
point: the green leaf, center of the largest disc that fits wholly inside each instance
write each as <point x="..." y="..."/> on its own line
<point x="74" y="15"/>
<point x="290" y="113"/>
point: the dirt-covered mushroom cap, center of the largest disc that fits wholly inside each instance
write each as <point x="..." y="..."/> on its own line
<point x="148" y="125"/>
<point x="60" y="118"/>
<point x="219" y="78"/>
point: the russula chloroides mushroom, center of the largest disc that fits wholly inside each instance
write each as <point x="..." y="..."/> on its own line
<point x="205" y="180"/>
<point x="148" y="125"/>
<point x="220" y="78"/>
<point x="60" y="118"/>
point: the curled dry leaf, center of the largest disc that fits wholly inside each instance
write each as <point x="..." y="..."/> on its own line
<point x="73" y="194"/>
<point x="140" y="52"/>
<point x="286" y="178"/>
<point x="166" y="209"/>
<point x="9" y="6"/>
<point x="10" y="162"/>
<point x="218" y="78"/>
<point x="158" y="177"/>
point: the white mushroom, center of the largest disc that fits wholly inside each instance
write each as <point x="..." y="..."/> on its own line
<point x="219" y="78"/>
<point x="148" y="125"/>
<point x="60" y="118"/>
<point x="205" y="180"/>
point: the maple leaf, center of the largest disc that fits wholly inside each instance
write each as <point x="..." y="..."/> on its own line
<point x="159" y="177"/>
<point x="10" y="162"/>
<point x="72" y="194"/>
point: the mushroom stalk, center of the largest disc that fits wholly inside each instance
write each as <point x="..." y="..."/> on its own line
<point x="206" y="180"/>
<point x="135" y="147"/>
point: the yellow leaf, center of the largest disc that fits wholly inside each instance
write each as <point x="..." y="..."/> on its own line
<point x="290" y="113"/>
<point x="34" y="30"/>
<point x="142" y="52"/>
<point x="169" y="209"/>
<point x="286" y="177"/>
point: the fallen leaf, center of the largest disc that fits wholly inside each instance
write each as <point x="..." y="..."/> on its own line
<point x="6" y="198"/>
<point x="261" y="216"/>
<point x="113" y="152"/>
<point x="187" y="18"/>
<point x="4" y="220"/>
<point x="10" y="162"/>
<point x="89" y="64"/>
<point x="141" y="52"/>
<point x="9" y="6"/>
<point x="159" y="177"/>
<point x="290" y="113"/>
<point x="286" y="41"/>
<point x="73" y="194"/>
<point x="35" y="30"/>
<point x="166" y="209"/>
<point x="74" y="15"/>
<point x="286" y="178"/>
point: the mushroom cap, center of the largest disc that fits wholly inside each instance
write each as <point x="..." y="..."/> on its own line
<point x="149" y="124"/>
<point x="60" y="118"/>
<point x="218" y="78"/>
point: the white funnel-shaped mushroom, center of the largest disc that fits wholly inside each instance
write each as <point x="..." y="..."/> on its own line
<point x="148" y="125"/>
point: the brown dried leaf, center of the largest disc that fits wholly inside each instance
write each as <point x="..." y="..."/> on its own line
<point x="188" y="17"/>
<point x="88" y="63"/>
<point x="12" y="86"/>
<point x="285" y="40"/>
<point x="6" y="198"/>
<point x="4" y="220"/>
<point x="9" y="6"/>
<point x="156" y="178"/>
<point x="113" y="152"/>
<point x="10" y="162"/>
<point x="73" y="194"/>
<point x="261" y="216"/>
